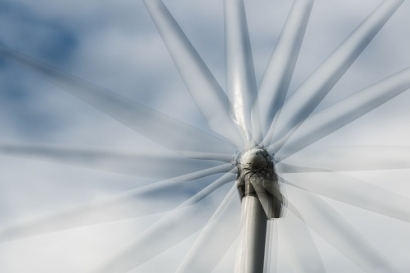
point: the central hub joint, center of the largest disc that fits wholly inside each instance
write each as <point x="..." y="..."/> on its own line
<point x="257" y="177"/>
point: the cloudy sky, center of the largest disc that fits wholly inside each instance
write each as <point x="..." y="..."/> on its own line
<point x="115" y="45"/>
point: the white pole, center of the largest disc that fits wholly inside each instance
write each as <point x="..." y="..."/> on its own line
<point x="251" y="252"/>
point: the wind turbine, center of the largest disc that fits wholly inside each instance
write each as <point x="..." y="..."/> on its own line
<point x="266" y="129"/>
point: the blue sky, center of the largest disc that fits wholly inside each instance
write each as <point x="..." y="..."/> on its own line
<point x="114" y="44"/>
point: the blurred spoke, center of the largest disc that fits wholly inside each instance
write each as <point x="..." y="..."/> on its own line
<point x="144" y="120"/>
<point x="215" y="238"/>
<point x="279" y="72"/>
<point x="150" y="165"/>
<point x="355" y="192"/>
<point x="348" y="158"/>
<point x="288" y="168"/>
<point x="206" y="92"/>
<point x="138" y="202"/>
<point x="176" y="226"/>
<point x="299" y="245"/>
<point x="344" y="112"/>
<point x="240" y="73"/>
<point x="302" y="103"/>
<point x="329" y="224"/>
<point x="209" y="156"/>
<point x="271" y="251"/>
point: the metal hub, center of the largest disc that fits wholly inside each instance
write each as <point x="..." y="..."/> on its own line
<point x="257" y="177"/>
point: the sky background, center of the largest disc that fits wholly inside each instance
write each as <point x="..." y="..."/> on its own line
<point x="114" y="44"/>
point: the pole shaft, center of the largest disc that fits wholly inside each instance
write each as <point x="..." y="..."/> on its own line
<point x="251" y="251"/>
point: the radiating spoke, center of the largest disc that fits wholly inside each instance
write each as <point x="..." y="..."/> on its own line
<point x="146" y="121"/>
<point x="355" y="192"/>
<point x="299" y="245"/>
<point x="302" y="103"/>
<point x="167" y="232"/>
<point x="348" y="158"/>
<point x="240" y="73"/>
<point x="344" y="112"/>
<point x="202" y="85"/>
<point x="209" y="156"/>
<point x="150" y="165"/>
<point x="289" y="168"/>
<point x="275" y="82"/>
<point x="138" y="202"/>
<point x="329" y="224"/>
<point x="215" y="238"/>
<point x="271" y="251"/>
